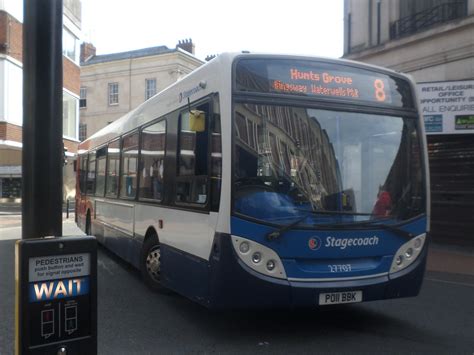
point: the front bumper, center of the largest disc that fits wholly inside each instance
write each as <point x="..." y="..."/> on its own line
<point x="235" y="285"/>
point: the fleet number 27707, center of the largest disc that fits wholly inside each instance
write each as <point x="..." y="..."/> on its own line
<point x="340" y="268"/>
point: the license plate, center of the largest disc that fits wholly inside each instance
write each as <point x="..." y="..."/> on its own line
<point x="340" y="297"/>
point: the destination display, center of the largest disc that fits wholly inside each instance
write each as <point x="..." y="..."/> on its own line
<point x="320" y="79"/>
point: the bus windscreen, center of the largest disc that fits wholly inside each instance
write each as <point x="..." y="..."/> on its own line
<point x="322" y="80"/>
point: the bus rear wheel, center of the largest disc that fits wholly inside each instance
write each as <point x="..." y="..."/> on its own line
<point x="151" y="263"/>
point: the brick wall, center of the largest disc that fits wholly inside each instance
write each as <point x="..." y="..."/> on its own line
<point x="10" y="157"/>
<point x="87" y="50"/>
<point x="70" y="145"/>
<point x="11" y="43"/>
<point x="11" y="36"/>
<point x="3" y="130"/>
<point x="71" y="76"/>
<point x="16" y="39"/>
<point x="10" y="132"/>
<point x="3" y="32"/>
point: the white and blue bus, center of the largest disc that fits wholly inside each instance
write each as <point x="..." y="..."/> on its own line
<point x="266" y="181"/>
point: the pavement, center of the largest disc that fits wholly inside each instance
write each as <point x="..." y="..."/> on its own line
<point x="10" y="209"/>
<point x="451" y="259"/>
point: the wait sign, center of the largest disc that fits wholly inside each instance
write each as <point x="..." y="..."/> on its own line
<point x="56" y="295"/>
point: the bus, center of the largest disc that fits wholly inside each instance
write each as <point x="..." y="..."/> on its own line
<point x="266" y="181"/>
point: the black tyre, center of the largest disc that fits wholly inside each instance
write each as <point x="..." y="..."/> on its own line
<point x="151" y="264"/>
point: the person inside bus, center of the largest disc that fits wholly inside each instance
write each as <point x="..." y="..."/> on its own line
<point x="383" y="205"/>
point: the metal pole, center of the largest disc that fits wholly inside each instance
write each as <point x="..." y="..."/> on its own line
<point x="42" y="119"/>
<point x="67" y="208"/>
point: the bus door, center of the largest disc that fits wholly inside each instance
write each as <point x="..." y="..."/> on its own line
<point x="196" y="193"/>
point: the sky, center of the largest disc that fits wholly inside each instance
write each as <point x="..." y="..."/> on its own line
<point x="310" y="27"/>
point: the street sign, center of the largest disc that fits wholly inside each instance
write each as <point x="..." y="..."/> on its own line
<point x="447" y="106"/>
<point x="56" y="296"/>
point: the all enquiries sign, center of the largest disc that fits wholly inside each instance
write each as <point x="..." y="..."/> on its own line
<point x="447" y="107"/>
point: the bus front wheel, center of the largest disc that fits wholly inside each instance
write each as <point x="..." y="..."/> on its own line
<point x="151" y="263"/>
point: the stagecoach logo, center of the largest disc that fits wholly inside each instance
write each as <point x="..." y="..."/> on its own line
<point x="314" y="243"/>
<point x="185" y="94"/>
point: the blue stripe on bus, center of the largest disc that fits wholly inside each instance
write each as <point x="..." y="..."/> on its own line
<point x="368" y="252"/>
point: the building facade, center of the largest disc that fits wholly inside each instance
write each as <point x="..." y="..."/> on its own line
<point x="114" y="84"/>
<point x="11" y="95"/>
<point x="433" y="40"/>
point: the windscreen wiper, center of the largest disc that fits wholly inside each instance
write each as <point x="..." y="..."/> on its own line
<point x="343" y="213"/>
<point x="277" y="233"/>
<point x="392" y="228"/>
<point x="375" y="223"/>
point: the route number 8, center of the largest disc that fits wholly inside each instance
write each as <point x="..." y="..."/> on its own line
<point x="379" y="90"/>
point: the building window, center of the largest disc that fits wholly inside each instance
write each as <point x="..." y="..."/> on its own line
<point x="82" y="131"/>
<point x="417" y="16"/>
<point x="113" y="93"/>
<point x="10" y="187"/>
<point x="83" y="98"/>
<point x="83" y="174"/>
<point x="70" y="46"/>
<point x="70" y="111"/>
<point x="150" y="88"/>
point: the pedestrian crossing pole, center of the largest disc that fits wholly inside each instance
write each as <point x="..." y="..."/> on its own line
<point x="42" y="155"/>
<point x="55" y="276"/>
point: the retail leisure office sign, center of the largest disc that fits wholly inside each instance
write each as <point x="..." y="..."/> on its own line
<point x="448" y="106"/>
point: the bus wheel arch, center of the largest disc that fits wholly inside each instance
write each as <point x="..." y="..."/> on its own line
<point x="150" y="260"/>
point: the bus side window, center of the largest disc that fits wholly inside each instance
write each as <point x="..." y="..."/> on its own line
<point x="113" y="162"/>
<point x="191" y="182"/>
<point x="90" y="188"/>
<point x="101" y="156"/>
<point x="83" y="174"/>
<point x="216" y="162"/>
<point x="152" y="159"/>
<point x="128" y="173"/>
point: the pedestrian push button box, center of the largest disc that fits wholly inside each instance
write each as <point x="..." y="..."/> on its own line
<point x="56" y="295"/>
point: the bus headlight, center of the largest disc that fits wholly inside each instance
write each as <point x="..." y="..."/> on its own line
<point x="244" y="247"/>
<point x="399" y="260"/>
<point x="256" y="257"/>
<point x="408" y="253"/>
<point x="270" y="265"/>
<point x="259" y="257"/>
